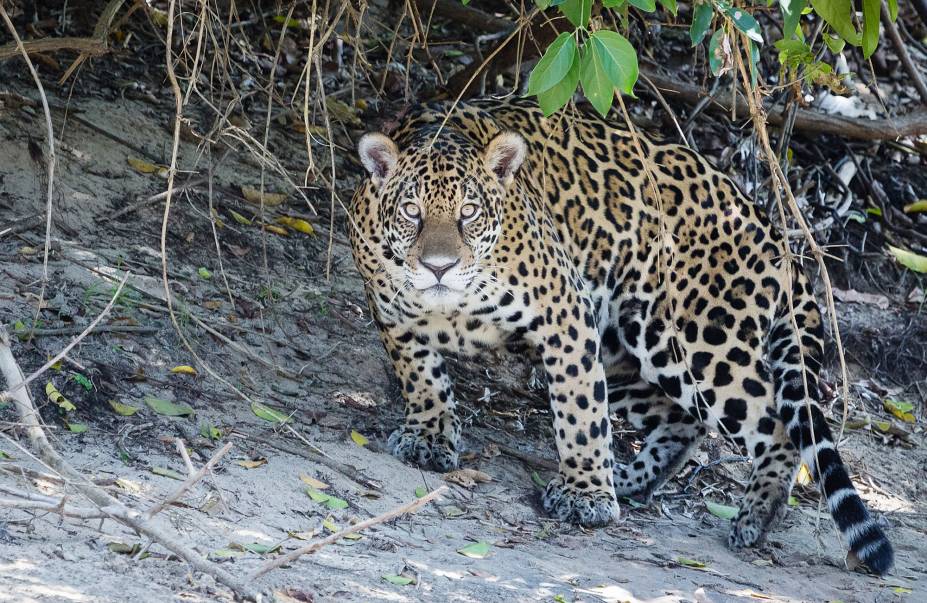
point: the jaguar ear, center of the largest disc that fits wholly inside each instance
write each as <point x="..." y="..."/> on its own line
<point x="379" y="155"/>
<point x="504" y="155"/>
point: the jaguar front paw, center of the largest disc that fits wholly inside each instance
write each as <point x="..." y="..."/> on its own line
<point x="424" y="449"/>
<point x="589" y="508"/>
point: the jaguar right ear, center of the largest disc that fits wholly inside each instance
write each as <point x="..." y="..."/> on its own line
<point x="379" y="155"/>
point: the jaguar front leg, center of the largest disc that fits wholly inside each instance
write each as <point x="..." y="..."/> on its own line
<point x="430" y="433"/>
<point x="583" y="490"/>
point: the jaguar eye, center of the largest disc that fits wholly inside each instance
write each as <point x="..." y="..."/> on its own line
<point x="469" y="210"/>
<point x="411" y="210"/>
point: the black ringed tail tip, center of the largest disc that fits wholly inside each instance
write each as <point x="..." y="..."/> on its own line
<point x="873" y="548"/>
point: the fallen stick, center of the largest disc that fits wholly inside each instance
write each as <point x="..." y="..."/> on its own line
<point x="113" y="508"/>
<point x="100" y="329"/>
<point x="912" y="124"/>
<point x="524" y="457"/>
<point x="87" y="46"/>
<point x="346" y="470"/>
<point x="190" y="481"/>
<point x="55" y="506"/>
<point x="314" y="546"/>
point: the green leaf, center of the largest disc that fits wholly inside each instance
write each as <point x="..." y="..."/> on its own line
<point x="619" y="59"/>
<point x="597" y="86"/>
<point x="902" y="410"/>
<point x="791" y="13"/>
<point x="122" y="409"/>
<point x="164" y="472"/>
<point x="648" y="6"/>
<point x="701" y="21"/>
<point x="260" y="549"/>
<point x="871" y="12"/>
<point x="359" y="438"/>
<point x="204" y="273"/>
<point x="77" y="427"/>
<point x="225" y="554"/>
<point x="669" y="5"/>
<point x="695" y="563"/>
<point x="754" y="61"/>
<point x="893" y="9"/>
<point x="477" y="550"/>
<point x="722" y="511"/>
<point x="615" y="4"/>
<point x="168" y="408"/>
<point x="268" y="414"/>
<point x="918" y="206"/>
<point x="84" y="381"/>
<point x="715" y="61"/>
<point x="834" y="43"/>
<point x="909" y="259"/>
<point x="838" y="14"/>
<point x="577" y="11"/>
<point x="542" y="4"/>
<point x="743" y="21"/>
<point x="420" y="491"/>
<point x="538" y="482"/>
<point x="209" y="431"/>
<point x="554" y="65"/>
<point x="399" y="580"/>
<point x="554" y="99"/>
<point x="332" y="502"/>
<point x="792" y="501"/>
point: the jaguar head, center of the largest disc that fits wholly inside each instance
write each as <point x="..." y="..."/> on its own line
<point x="441" y="200"/>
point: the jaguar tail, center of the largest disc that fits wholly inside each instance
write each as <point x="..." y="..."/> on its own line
<point x="795" y="359"/>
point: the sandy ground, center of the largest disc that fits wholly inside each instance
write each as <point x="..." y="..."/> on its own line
<point x="317" y="330"/>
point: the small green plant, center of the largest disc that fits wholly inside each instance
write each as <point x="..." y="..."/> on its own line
<point x="268" y="294"/>
<point x="602" y="60"/>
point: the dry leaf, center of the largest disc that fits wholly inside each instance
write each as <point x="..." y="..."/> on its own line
<point x="297" y="224"/>
<point x="145" y="167"/>
<point x="311" y="481"/>
<point x="252" y="464"/>
<point x="253" y="195"/>
<point x="55" y="397"/>
<point x="468" y="478"/>
<point x="857" y="297"/>
<point x="804" y="475"/>
<point x="276" y="230"/>
<point x="358" y="400"/>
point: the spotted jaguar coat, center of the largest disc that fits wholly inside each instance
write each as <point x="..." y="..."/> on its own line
<point x="671" y="309"/>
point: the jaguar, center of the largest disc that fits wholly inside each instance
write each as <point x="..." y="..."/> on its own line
<point x="650" y="286"/>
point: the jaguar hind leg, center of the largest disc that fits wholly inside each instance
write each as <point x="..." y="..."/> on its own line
<point x="774" y="465"/>
<point x="670" y="435"/>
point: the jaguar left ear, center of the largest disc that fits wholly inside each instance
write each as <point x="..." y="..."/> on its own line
<point x="379" y="155"/>
<point x="504" y="155"/>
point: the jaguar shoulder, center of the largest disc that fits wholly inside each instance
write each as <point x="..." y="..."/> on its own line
<point x="666" y="302"/>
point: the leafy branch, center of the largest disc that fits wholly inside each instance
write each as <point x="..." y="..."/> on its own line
<point x="603" y="61"/>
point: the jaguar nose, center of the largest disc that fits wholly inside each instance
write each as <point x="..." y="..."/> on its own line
<point x="439" y="266"/>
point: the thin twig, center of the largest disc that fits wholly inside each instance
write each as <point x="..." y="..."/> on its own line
<point x="313" y="547"/>
<point x="190" y="481"/>
<point x="57" y="508"/>
<point x="50" y="134"/>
